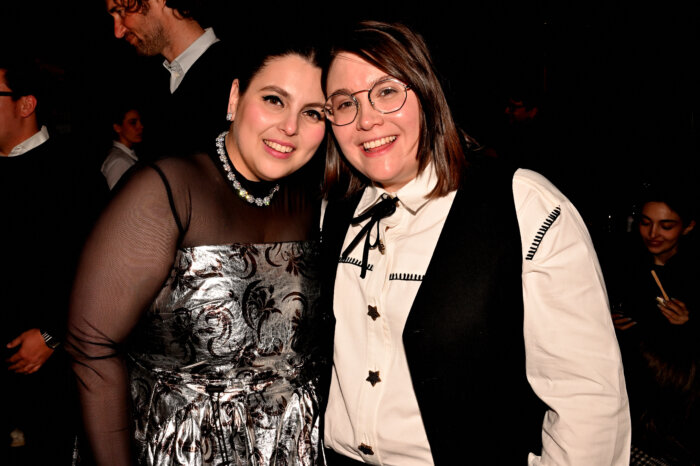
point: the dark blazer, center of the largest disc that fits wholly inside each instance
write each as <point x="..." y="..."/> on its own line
<point x="464" y="334"/>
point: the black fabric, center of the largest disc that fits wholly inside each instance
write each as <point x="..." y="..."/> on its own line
<point x="48" y="203"/>
<point x="464" y="334"/>
<point x="188" y="120"/>
<point x="385" y="208"/>
<point x="130" y="253"/>
<point x="661" y="360"/>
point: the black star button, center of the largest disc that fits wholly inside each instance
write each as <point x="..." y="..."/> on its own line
<point x="373" y="378"/>
<point x="372" y="312"/>
<point x="366" y="449"/>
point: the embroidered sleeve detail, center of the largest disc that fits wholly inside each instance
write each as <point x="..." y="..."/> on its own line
<point x="407" y="277"/>
<point x="358" y="263"/>
<point x="542" y="231"/>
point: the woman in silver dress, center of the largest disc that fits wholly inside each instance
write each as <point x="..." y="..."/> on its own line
<point x="190" y="313"/>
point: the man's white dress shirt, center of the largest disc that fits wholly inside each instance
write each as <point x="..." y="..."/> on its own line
<point x="30" y="143"/>
<point x="183" y="62"/>
<point x="117" y="162"/>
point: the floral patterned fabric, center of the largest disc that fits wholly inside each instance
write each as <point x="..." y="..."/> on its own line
<point x="217" y="363"/>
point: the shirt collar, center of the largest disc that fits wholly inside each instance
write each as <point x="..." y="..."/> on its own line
<point x="183" y="62"/>
<point x="130" y="152"/>
<point x="412" y="196"/>
<point x="30" y="143"/>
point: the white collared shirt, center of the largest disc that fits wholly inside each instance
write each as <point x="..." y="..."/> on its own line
<point x="180" y="65"/>
<point x="117" y="162"/>
<point x="30" y="143"/>
<point x="567" y="329"/>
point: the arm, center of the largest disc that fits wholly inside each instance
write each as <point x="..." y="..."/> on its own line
<point x="572" y="357"/>
<point x="124" y="263"/>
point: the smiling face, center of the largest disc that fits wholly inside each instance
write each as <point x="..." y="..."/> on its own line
<point x="278" y="121"/>
<point x="383" y="147"/>
<point x="661" y="229"/>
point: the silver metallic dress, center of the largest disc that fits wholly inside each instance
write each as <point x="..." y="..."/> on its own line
<point x="194" y="326"/>
<point x="215" y="378"/>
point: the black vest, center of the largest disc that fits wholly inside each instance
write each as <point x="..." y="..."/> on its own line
<point x="464" y="334"/>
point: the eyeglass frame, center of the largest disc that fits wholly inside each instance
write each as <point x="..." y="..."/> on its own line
<point x="7" y="93"/>
<point x="352" y="95"/>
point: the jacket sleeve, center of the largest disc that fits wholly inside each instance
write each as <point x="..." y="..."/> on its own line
<point x="573" y="360"/>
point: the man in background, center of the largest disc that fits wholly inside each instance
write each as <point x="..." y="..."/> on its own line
<point x="45" y="215"/>
<point x="188" y="111"/>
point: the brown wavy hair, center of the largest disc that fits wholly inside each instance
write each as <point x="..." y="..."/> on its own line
<point x="398" y="51"/>
<point x="183" y="8"/>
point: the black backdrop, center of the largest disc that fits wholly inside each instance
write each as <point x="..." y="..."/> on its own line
<point x="621" y="75"/>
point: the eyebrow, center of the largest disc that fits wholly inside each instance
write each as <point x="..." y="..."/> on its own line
<point x="285" y="94"/>
<point x="663" y="220"/>
<point x="371" y="83"/>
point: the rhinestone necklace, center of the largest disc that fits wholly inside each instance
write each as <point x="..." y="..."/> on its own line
<point x="260" y="202"/>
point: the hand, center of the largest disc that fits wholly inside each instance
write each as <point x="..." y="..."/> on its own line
<point x="674" y="311"/>
<point x="621" y="322"/>
<point x="32" y="352"/>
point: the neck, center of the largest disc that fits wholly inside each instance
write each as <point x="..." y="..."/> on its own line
<point x="126" y="143"/>
<point x="187" y="31"/>
<point x="23" y="133"/>
<point x="661" y="259"/>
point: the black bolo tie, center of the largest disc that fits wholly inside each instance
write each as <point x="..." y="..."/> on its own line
<point x="384" y="208"/>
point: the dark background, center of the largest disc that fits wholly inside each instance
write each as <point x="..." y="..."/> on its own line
<point x="620" y="77"/>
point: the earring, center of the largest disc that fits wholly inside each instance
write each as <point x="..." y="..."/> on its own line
<point x="229" y="117"/>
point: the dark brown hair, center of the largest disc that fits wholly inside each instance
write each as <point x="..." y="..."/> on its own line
<point x="403" y="54"/>
<point x="183" y="8"/>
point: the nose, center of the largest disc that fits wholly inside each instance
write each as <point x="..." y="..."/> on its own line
<point x="367" y="116"/>
<point x="653" y="230"/>
<point x="289" y="124"/>
<point x="119" y="29"/>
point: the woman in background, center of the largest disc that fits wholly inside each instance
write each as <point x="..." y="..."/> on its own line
<point x="190" y="314"/>
<point x="128" y="127"/>
<point x="658" y="330"/>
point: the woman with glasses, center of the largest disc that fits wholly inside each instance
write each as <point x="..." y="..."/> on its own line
<point x="191" y="311"/>
<point x="470" y="317"/>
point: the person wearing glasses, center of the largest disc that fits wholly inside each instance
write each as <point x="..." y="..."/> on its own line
<point x="469" y="316"/>
<point x="45" y="216"/>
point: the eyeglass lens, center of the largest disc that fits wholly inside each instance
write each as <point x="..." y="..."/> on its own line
<point x="385" y="96"/>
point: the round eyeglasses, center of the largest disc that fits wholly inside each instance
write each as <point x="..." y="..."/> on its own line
<point x="386" y="96"/>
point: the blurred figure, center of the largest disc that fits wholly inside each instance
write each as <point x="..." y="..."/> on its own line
<point x="44" y="216"/>
<point x="129" y="130"/>
<point x="523" y="140"/>
<point x="658" y="330"/>
<point x="200" y="71"/>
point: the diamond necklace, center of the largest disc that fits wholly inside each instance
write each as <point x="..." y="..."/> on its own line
<point x="260" y="202"/>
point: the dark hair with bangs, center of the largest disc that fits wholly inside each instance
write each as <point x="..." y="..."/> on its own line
<point x="402" y="54"/>
<point x="675" y="195"/>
